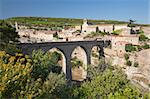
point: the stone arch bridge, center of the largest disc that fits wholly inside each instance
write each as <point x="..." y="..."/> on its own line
<point x="66" y="48"/>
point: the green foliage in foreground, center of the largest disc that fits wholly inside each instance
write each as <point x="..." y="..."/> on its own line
<point x="44" y="63"/>
<point x="109" y="84"/>
<point x="17" y="80"/>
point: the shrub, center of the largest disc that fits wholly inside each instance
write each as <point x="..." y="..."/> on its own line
<point x="128" y="63"/>
<point x="44" y="63"/>
<point x="108" y="84"/>
<point x="142" y="37"/>
<point x="139" y="47"/>
<point x="126" y="56"/>
<point x="136" y="64"/>
<point x="95" y="55"/>
<point x="130" y="48"/>
<point x="140" y="32"/>
<point x="146" y="46"/>
<point x="14" y="72"/>
<point x="76" y="62"/>
<point x="116" y="32"/>
<point x="16" y="80"/>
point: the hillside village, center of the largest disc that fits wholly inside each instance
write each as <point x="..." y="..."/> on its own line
<point x="74" y="49"/>
<point x="120" y="36"/>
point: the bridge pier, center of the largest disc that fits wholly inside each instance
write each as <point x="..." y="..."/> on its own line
<point x="88" y="53"/>
<point x="68" y="69"/>
<point x="101" y="52"/>
<point x="102" y="57"/>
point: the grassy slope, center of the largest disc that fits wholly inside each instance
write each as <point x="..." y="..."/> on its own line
<point x="58" y="21"/>
<point x="43" y="21"/>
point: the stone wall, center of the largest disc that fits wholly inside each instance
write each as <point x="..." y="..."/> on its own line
<point x="119" y="42"/>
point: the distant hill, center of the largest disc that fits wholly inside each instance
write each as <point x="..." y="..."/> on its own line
<point x="58" y="21"/>
<point x="48" y="22"/>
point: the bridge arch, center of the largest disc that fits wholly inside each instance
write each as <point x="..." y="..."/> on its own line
<point x="80" y="50"/>
<point x="79" y="63"/>
<point x="61" y="62"/>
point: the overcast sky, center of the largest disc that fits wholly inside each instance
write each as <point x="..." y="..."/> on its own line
<point x="138" y="10"/>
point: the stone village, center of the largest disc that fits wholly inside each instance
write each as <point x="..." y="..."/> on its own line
<point x="114" y="54"/>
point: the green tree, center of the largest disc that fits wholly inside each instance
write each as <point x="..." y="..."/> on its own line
<point x="8" y="36"/>
<point x="16" y="80"/>
<point x="108" y="84"/>
<point x="43" y="89"/>
<point x="131" y="25"/>
<point x="43" y="63"/>
<point x="97" y="30"/>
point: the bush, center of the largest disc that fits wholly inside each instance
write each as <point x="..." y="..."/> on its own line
<point x="136" y="64"/>
<point x="44" y="63"/>
<point x="16" y="80"/>
<point x="108" y="84"/>
<point x="126" y="56"/>
<point x="14" y="72"/>
<point x="146" y="46"/>
<point x="128" y="63"/>
<point x="95" y="55"/>
<point x="139" y="47"/>
<point x="142" y="37"/>
<point x="116" y="32"/>
<point x="76" y="62"/>
<point x="140" y="32"/>
<point x="130" y="48"/>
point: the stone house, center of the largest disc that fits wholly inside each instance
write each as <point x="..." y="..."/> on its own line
<point x="119" y="42"/>
<point x="87" y="28"/>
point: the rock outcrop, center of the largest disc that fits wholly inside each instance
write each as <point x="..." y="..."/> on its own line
<point x="141" y="75"/>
